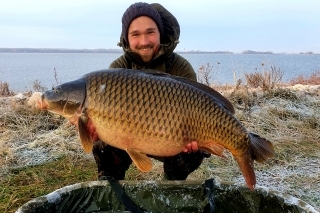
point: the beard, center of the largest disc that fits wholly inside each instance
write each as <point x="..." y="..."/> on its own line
<point x="146" y="52"/>
<point x="146" y="58"/>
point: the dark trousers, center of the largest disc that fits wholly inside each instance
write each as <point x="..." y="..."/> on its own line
<point x="115" y="162"/>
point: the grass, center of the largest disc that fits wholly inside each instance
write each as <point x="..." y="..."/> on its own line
<point x="314" y="78"/>
<point x="4" y="89"/>
<point x="22" y="184"/>
<point x="40" y="152"/>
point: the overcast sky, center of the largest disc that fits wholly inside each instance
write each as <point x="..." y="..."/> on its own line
<point x="290" y="26"/>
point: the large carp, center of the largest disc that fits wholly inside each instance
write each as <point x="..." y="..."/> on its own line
<point x="150" y="112"/>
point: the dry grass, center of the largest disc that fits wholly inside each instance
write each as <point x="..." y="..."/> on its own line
<point x="314" y="79"/>
<point x="40" y="152"/>
<point x="30" y="137"/>
<point x="266" y="80"/>
<point x="4" y="89"/>
<point x="205" y="74"/>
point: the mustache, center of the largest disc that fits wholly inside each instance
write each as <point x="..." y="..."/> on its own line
<point x="145" y="46"/>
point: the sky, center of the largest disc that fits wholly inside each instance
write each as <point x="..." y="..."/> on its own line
<point x="290" y="26"/>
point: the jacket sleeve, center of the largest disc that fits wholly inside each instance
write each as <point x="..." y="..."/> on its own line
<point x="181" y="67"/>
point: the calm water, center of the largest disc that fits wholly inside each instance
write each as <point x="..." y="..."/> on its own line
<point x="20" y="70"/>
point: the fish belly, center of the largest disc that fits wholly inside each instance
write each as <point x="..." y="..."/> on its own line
<point x="135" y="139"/>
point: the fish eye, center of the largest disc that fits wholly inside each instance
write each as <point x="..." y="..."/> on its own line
<point x="56" y="90"/>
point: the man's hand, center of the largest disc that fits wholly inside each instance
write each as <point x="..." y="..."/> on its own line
<point x="191" y="147"/>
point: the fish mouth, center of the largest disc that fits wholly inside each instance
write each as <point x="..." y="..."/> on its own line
<point x="42" y="104"/>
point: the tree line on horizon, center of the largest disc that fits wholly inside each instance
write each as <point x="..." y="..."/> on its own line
<point x="102" y="50"/>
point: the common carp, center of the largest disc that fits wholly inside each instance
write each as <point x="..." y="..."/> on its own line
<point x="153" y="113"/>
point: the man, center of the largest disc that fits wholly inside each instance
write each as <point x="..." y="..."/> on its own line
<point x="148" y="40"/>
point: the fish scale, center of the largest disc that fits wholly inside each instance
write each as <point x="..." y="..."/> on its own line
<point x="172" y="102"/>
<point x="150" y="112"/>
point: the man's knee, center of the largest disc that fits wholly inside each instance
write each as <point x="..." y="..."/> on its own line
<point x="110" y="161"/>
<point x="178" y="167"/>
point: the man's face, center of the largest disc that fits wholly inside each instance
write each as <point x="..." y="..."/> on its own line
<point x="144" y="37"/>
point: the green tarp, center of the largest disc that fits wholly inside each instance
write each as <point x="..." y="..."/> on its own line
<point x="165" y="196"/>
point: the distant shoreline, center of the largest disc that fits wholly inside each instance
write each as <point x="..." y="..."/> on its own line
<point x="100" y="50"/>
<point x="58" y="50"/>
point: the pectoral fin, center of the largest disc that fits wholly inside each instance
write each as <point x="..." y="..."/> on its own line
<point x="142" y="161"/>
<point x="86" y="140"/>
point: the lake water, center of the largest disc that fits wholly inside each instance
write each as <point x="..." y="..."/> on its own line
<point x="20" y="70"/>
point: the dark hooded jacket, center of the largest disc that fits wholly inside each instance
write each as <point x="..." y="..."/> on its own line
<point x="165" y="60"/>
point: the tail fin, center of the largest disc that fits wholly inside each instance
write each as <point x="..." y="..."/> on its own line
<point x="260" y="148"/>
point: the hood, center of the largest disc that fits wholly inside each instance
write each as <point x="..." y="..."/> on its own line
<point x="168" y="41"/>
